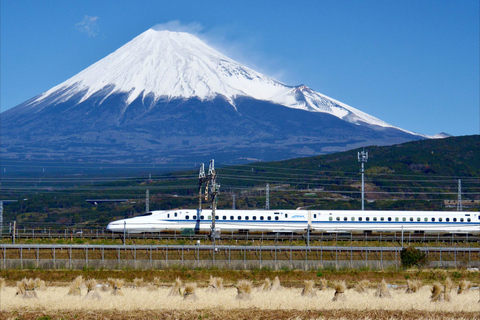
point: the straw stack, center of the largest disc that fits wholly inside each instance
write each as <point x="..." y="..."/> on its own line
<point x="189" y="292"/>
<point x="323" y="284"/>
<point x="155" y="284"/>
<point x="276" y="284"/>
<point x="176" y="289"/>
<point x="137" y="283"/>
<point x="92" y="293"/>
<point x="413" y="286"/>
<point x="26" y="289"/>
<point x="308" y="290"/>
<point x="438" y="293"/>
<point x="464" y="286"/>
<point x="2" y="283"/>
<point x="244" y="288"/>
<point x="117" y="286"/>
<point x="215" y="284"/>
<point x="74" y="289"/>
<point x="362" y="286"/>
<point x="340" y="288"/>
<point x="266" y="285"/>
<point x="382" y="290"/>
<point x="448" y="288"/>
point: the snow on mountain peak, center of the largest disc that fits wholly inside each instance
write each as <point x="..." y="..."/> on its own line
<point x="172" y="65"/>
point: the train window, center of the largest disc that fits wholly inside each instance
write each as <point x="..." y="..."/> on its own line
<point x="479" y="217"/>
<point x="175" y="214"/>
<point x="194" y="218"/>
<point x="330" y="218"/>
<point x="224" y="217"/>
<point x="468" y="220"/>
<point x="433" y="219"/>
<point x="202" y="217"/>
<point x="239" y="218"/>
<point x="418" y="219"/>
<point x="461" y="219"/>
<point x="382" y="218"/>
<point x="168" y="215"/>
<point x="286" y="215"/>
<point x="315" y="216"/>
<point x="345" y="219"/>
<point x="374" y="218"/>
<point x="187" y="217"/>
<point x="425" y="219"/>
<point x="276" y="213"/>
<point x="269" y="218"/>
<point x="338" y="218"/>
<point x="367" y="218"/>
<point x="254" y="217"/>
<point x="217" y="217"/>
<point x="447" y="219"/>
<point x="440" y="219"/>
<point x="353" y="218"/>
<point x="454" y="219"/>
<point x="404" y="219"/>
<point x="276" y="218"/>
<point x="389" y="219"/>
<point x="232" y="218"/>
<point x="246" y="218"/>
<point x="359" y="218"/>
<point x="261" y="217"/>
<point x="396" y="219"/>
<point x="411" y="218"/>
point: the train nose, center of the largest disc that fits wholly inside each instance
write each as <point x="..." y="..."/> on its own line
<point x="115" y="226"/>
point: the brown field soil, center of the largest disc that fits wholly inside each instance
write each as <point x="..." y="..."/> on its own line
<point x="240" y="314"/>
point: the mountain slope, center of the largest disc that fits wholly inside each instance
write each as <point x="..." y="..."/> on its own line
<point x="167" y="96"/>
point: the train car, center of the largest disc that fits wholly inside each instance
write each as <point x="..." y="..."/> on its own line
<point x="300" y="220"/>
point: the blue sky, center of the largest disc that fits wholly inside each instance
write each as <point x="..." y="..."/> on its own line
<point x="412" y="63"/>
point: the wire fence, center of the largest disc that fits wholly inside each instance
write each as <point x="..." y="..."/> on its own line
<point x="224" y="257"/>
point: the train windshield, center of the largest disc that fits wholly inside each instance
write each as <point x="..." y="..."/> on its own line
<point x="145" y="214"/>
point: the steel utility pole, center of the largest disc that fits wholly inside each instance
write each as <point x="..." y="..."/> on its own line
<point x="363" y="157"/>
<point x="147" y="201"/>
<point x="459" y="204"/>
<point x="213" y="193"/>
<point x="267" y="204"/>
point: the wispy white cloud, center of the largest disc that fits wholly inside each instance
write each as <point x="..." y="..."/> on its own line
<point x="88" y="25"/>
<point x="236" y="45"/>
<point x="176" y="25"/>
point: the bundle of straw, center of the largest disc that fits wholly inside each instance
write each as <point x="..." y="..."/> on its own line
<point x="137" y="282"/>
<point x="266" y="285"/>
<point x="323" y="284"/>
<point x="463" y="286"/>
<point x="244" y="288"/>
<point x="74" y="289"/>
<point x="413" y="286"/>
<point x="26" y="289"/>
<point x="92" y="290"/>
<point x="117" y="286"/>
<point x="40" y="284"/>
<point x="308" y="290"/>
<point x="276" y="284"/>
<point x="382" y="290"/>
<point x="2" y="283"/>
<point x="437" y="292"/>
<point x="176" y="289"/>
<point x="362" y="286"/>
<point x="189" y="292"/>
<point x="215" y="284"/>
<point x="340" y="288"/>
<point x="155" y="284"/>
<point x="448" y="288"/>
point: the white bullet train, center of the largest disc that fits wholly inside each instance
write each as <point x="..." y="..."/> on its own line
<point x="300" y="220"/>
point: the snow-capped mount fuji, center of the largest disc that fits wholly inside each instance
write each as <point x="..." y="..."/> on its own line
<point x="167" y="95"/>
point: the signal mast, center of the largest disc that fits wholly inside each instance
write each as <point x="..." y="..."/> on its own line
<point x="211" y="192"/>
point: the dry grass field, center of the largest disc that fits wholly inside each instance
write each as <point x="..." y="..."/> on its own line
<point x="153" y="302"/>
